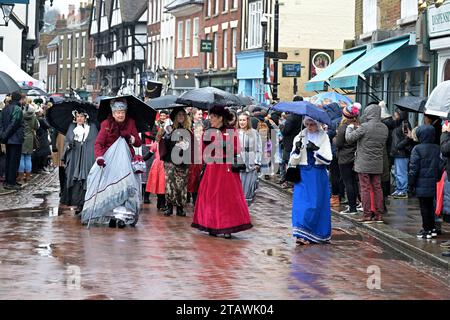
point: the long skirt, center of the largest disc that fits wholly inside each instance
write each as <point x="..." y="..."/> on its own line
<point x="74" y="196"/>
<point x="176" y="184"/>
<point x="194" y="177"/>
<point x="311" y="213"/>
<point x="156" y="182"/>
<point x="221" y="206"/>
<point x="249" y="184"/>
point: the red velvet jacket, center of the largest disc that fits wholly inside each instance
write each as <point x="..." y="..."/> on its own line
<point x="110" y="131"/>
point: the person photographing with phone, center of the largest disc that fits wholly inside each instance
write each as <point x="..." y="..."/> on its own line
<point x="400" y="151"/>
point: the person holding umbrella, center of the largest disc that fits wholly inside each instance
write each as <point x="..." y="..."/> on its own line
<point x="115" y="126"/>
<point x="311" y="212"/>
<point x="78" y="158"/>
<point x="214" y="212"/>
<point x="112" y="195"/>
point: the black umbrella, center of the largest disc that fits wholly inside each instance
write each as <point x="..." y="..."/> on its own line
<point x="32" y="91"/>
<point x="60" y="115"/>
<point x="245" y="101"/>
<point x="7" y="84"/>
<point x="206" y="98"/>
<point x="143" y="114"/>
<point x="163" y="102"/>
<point x="411" y="103"/>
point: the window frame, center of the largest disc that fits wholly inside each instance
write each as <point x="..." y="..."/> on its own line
<point x="180" y="39"/>
<point x="187" y="38"/>
<point x="195" y="36"/>
<point x="370" y="16"/>
<point x="225" y="49"/>
<point x="408" y="9"/>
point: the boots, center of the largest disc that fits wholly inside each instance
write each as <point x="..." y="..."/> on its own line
<point x="180" y="212"/>
<point x="169" y="210"/>
<point x="161" y="203"/>
<point x="27" y="177"/>
<point x="146" y="197"/>
<point x="335" y="201"/>
<point x="20" y="178"/>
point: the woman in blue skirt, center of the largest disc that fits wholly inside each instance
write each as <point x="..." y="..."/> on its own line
<point x="311" y="213"/>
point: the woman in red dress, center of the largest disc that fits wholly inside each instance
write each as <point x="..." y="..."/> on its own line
<point x="221" y="206"/>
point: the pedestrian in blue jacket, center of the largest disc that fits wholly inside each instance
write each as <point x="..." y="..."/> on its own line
<point x="425" y="168"/>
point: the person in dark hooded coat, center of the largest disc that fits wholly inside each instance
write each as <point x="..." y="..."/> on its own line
<point x="79" y="157"/>
<point x="334" y="111"/>
<point x="425" y="169"/>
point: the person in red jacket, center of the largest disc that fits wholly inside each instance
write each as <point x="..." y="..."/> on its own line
<point x="115" y="126"/>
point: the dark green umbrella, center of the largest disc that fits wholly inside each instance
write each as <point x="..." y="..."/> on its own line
<point x="7" y="84"/>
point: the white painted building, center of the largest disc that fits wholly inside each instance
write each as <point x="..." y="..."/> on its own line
<point x="24" y="21"/>
<point x="161" y="43"/>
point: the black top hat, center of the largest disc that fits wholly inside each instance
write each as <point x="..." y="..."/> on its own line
<point x="175" y="112"/>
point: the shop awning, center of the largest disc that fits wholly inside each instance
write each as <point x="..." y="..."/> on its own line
<point x="318" y="82"/>
<point x="348" y="78"/>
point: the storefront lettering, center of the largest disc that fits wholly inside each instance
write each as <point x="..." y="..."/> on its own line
<point x="441" y="18"/>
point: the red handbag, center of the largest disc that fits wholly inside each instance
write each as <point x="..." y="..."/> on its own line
<point x="440" y="194"/>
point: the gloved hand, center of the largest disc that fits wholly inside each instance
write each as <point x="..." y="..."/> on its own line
<point x="101" y="162"/>
<point x="71" y="145"/>
<point x="298" y="146"/>
<point x="148" y="155"/>
<point x="311" y="147"/>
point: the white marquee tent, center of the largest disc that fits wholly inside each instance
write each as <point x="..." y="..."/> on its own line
<point x="22" y="78"/>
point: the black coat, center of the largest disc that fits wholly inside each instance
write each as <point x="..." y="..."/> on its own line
<point x="445" y="150"/>
<point x="42" y="136"/>
<point x="345" y="151"/>
<point x="401" y="148"/>
<point x="425" y="164"/>
<point x="12" y="128"/>
<point x="290" y="130"/>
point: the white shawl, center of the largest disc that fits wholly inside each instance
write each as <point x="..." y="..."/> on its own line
<point x="323" y="156"/>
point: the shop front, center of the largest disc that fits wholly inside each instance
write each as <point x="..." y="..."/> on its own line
<point x="250" y="66"/>
<point x="222" y="80"/>
<point x="387" y="71"/>
<point x="439" y="33"/>
<point x="184" y="80"/>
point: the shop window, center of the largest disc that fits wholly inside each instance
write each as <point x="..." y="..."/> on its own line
<point x="447" y="70"/>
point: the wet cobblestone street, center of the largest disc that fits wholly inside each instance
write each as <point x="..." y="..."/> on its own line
<point x="45" y="253"/>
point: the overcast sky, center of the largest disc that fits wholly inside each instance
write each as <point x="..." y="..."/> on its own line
<point x="63" y="5"/>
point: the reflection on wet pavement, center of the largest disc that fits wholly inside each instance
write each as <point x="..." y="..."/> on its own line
<point x="46" y="254"/>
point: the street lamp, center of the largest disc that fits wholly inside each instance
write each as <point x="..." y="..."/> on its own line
<point x="7" y="10"/>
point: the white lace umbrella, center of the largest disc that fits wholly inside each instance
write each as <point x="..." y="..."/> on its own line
<point x="438" y="103"/>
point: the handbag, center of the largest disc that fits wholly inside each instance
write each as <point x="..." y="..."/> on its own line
<point x="36" y="143"/>
<point x="293" y="174"/>
<point x="138" y="164"/>
<point x="237" y="167"/>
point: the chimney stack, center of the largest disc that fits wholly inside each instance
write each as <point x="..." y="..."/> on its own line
<point x="61" y="23"/>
